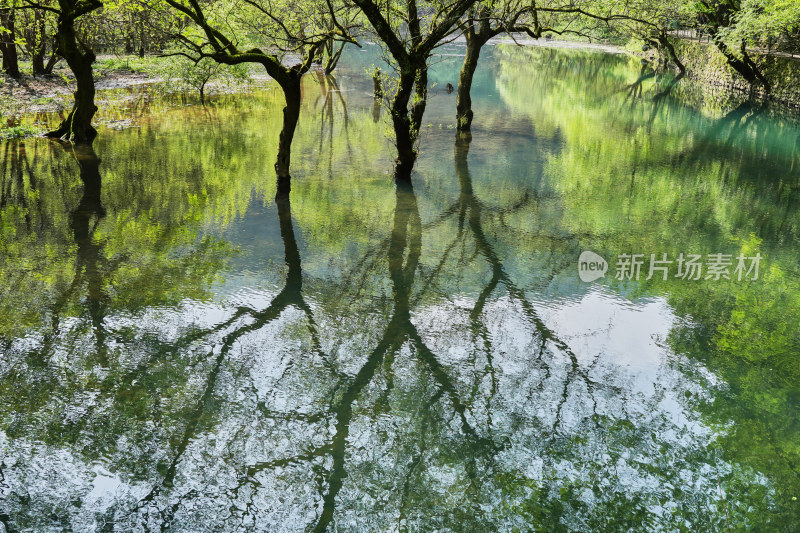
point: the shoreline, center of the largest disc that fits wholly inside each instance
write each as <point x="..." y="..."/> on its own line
<point x="525" y="40"/>
<point x="53" y="93"/>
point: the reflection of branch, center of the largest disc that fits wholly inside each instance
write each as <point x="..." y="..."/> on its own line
<point x="328" y="87"/>
<point x="473" y="208"/>
<point x="403" y="254"/>
<point x="290" y="295"/>
<point x="344" y="414"/>
<point x="635" y="89"/>
<point x="661" y="97"/>
<point x="89" y="253"/>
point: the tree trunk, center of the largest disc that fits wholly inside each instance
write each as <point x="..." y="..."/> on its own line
<point x="333" y="59"/>
<point x="377" y="84"/>
<point x="77" y="127"/>
<point x="51" y="62"/>
<point x="755" y="70"/>
<point x="142" y="40"/>
<point x="463" y="98"/>
<point x="8" y="47"/>
<point x="744" y="66"/>
<point x="376" y="109"/>
<point x="420" y="100"/>
<point x="407" y="121"/>
<point x="38" y="46"/>
<point x="37" y="61"/>
<point x="291" y="114"/>
<point x="663" y="41"/>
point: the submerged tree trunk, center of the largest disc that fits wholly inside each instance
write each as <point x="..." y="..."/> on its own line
<point x="477" y="31"/>
<point x="376" y="109"/>
<point x="333" y="58"/>
<point x="464" y="112"/>
<point x="406" y="119"/>
<point x="377" y="84"/>
<point x="7" y="45"/>
<point x="77" y="127"/>
<point x="291" y="115"/>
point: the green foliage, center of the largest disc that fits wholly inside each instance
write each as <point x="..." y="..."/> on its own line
<point x="129" y="63"/>
<point x="183" y="73"/>
<point x="765" y="23"/>
<point x="18" y="131"/>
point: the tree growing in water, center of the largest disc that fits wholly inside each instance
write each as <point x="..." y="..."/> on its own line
<point x="292" y="32"/>
<point x="410" y="31"/>
<point x="77" y="126"/>
<point x="482" y="22"/>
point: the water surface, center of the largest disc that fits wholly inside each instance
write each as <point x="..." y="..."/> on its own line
<point x="181" y="351"/>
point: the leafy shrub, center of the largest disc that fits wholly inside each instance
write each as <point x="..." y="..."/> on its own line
<point x="186" y="74"/>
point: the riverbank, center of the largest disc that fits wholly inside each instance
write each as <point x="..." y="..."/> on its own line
<point x="524" y="40"/>
<point x="26" y="103"/>
<point x="32" y="97"/>
<point x="44" y="94"/>
<point x="707" y="65"/>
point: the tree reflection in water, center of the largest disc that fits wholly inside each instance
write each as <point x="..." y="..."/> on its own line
<point x="420" y="379"/>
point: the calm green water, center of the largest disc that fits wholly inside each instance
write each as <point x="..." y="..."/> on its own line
<point x="182" y="352"/>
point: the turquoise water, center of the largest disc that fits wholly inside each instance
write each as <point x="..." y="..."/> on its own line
<point x="183" y="352"/>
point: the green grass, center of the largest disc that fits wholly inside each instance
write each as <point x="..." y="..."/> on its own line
<point x="18" y="132"/>
<point x="131" y="63"/>
<point x="44" y="100"/>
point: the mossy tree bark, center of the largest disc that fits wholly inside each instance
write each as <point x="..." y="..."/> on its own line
<point x="407" y="119"/>
<point x="464" y="111"/>
<point x="77" y="127"/>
